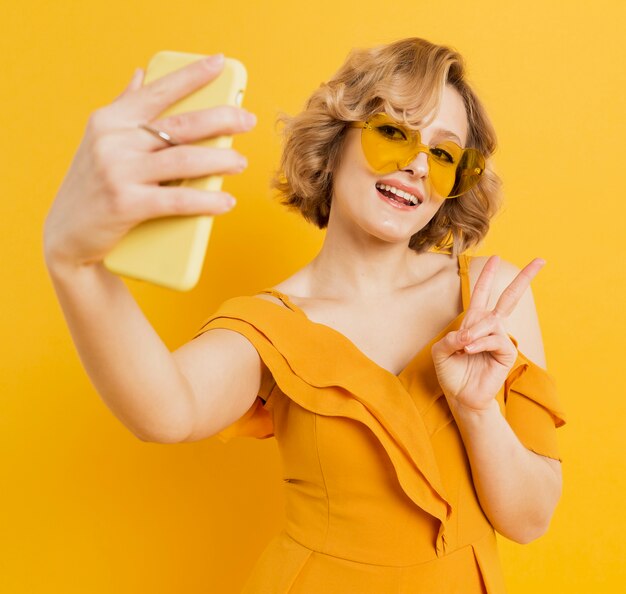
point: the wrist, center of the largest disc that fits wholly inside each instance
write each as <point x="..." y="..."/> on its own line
<point x="66" y="273"/>
<point x="464" y="414"/>
<point x="61" y="254"/>
<point x="62" y="263"/>
<point x="60" y="266"/>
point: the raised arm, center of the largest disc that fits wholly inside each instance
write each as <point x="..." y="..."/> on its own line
<point x="112" y="185"/>
<point x="517" y="488"/>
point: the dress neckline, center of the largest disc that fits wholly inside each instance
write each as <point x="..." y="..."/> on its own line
<point x="463" y="271"/>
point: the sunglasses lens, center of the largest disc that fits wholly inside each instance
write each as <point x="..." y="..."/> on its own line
<point x="454" y="171"/>
<point x="386" y="145"/>
<point x="444" y="160"/>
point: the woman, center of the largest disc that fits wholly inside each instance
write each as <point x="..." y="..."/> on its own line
<point x="410" y="425"/>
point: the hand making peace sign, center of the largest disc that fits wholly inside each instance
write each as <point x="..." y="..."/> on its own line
<point x="473" y="362"/>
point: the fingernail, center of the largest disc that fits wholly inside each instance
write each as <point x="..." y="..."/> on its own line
<point x="464" y="335"/>
<point x="214" y="60"/>
<point x="230" y="201"/>
<point x="243" y="162"/>
<point x="249" y="119"/>
<point x="469" y="348"/>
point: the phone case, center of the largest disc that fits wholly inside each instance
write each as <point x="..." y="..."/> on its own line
<point x="170" y="251"/>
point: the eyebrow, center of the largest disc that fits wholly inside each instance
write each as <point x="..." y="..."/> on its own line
<point x="447" y="134"/>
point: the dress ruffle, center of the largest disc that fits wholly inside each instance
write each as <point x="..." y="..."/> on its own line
<point x="339" y="386"/>
<point x="532" y="408"/>
<point x="528" y="398"/>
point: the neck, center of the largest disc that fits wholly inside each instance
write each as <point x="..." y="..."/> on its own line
<point x="355" y="265"/>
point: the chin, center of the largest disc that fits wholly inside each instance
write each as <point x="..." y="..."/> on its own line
<point x="389" y="232"/>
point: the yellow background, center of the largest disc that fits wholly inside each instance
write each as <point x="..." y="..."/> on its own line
<point x="85" y="506"/>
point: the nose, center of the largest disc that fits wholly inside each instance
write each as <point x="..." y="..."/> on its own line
<point x="418" y="167"/>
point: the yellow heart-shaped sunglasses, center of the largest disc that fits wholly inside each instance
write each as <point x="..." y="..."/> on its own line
<point x="389" y="146"/>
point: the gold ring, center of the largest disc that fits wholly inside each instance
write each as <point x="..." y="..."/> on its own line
<point x="159" y="134"/>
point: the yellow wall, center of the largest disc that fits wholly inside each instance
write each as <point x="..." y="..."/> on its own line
<point x="86" y="507"/>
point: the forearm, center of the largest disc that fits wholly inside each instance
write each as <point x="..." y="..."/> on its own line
<point x="127" y="362"/>
<point x="517" y="489"/>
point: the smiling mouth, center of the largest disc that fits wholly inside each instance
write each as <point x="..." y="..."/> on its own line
<point x="397" y="195"/>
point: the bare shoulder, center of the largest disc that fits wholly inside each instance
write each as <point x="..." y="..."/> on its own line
<point x="297" y="285"/>
<point x="522" y="323"/>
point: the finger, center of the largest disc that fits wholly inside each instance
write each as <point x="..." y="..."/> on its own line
<point x="195" y="125"/>
<point x="179" y="200"/>
<point x="482" y="289"/>
<point x="133" y="85"/>
<point x="188" y="161"/>
<point x="472" y="317"/>
<point x="489" y="324"/>
<point x="513" y="293"/>
<point x="450" y="344"/>
<point x="136" y="82"/>
<point x="153" y="98"/>
<point x="496" y="344"/>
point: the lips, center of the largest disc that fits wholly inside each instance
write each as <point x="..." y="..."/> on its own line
<point x="400" y="194"/>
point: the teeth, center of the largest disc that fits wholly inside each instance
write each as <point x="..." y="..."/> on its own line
<point x="400" y="193"/>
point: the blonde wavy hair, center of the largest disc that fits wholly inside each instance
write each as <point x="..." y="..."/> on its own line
<point x="404" y="79"/>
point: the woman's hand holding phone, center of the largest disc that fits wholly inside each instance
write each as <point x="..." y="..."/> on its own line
<point x="113" y="183"/>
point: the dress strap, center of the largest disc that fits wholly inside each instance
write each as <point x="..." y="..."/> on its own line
<point x="285" y="300"/>
<point x="464" y="261"/>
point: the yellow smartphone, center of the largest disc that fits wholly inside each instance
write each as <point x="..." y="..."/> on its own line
<point x="169" y="251"/>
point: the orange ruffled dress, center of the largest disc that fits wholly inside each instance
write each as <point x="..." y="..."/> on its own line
<point x="379" y="493"/>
